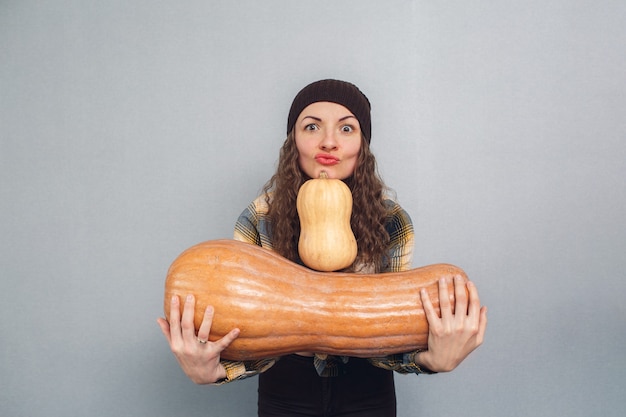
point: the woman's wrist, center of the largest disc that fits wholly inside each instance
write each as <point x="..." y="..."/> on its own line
<point x="419" y="363"/>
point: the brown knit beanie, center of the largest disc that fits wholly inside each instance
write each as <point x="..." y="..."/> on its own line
<point x="335" y="91"/>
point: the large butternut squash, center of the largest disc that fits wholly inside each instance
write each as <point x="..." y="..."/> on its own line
<point x="326" y="241"/>
<point x="281" y="307"/>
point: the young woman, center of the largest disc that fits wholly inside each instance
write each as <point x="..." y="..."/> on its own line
<point x="329" y="129"/>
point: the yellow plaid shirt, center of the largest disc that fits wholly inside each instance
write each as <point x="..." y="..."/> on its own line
<point x="253" y="227"/>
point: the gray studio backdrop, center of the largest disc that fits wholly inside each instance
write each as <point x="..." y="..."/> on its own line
<point x="130" y="130"/>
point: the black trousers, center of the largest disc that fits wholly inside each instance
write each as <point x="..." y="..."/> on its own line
<point x="293" y="388"/>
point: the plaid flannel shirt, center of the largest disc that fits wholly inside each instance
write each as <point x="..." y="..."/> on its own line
<point x="252" y="227"/>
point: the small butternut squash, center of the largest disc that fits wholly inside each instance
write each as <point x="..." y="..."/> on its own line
<point x="326" y="240"/>
<point x="282" y="307"/>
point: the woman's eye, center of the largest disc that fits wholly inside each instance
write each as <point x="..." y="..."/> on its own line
<point x="311" y="126"/>
<point x="347" y="129"/>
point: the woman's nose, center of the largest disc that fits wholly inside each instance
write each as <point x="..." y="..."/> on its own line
<point x="329" y="141"/>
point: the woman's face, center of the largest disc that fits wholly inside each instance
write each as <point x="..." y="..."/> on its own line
<point x="328" y="138"/>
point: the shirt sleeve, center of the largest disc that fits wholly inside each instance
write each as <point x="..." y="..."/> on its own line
<point x="237" y="370"/>
<point x="252" y="226"/>
<point x="403" y="363"/>
<point x="246" y="226"/>
<point x="402" y="238"/>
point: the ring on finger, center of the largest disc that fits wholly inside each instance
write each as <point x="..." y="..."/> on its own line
<point x="201" y="341"/>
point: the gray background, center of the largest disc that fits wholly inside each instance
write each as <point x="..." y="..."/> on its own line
<point x="131" y="130"/>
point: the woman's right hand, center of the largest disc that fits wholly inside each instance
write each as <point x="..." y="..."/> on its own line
<point x="197" y="357"/>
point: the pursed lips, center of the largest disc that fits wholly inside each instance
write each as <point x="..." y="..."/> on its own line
<point x="326" y="159"/>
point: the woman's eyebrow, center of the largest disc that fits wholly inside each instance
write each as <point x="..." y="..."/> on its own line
<point x="319" y="120"/>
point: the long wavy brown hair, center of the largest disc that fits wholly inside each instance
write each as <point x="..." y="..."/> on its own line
<point x="368" y="209"/>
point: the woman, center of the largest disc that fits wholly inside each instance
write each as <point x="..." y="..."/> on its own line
<point x="329" y="129"/>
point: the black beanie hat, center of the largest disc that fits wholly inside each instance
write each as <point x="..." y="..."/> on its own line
<point x="335" y="91"/>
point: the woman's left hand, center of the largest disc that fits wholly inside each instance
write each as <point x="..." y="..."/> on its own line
<point x="453" y="336"/>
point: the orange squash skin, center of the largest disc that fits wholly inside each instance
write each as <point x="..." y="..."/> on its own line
<point x="326" y="241"/>
<point x="281" y="307"/>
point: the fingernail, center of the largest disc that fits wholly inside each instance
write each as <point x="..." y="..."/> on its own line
<point x="174" y="299"/>
<point x="189" y="297"/>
